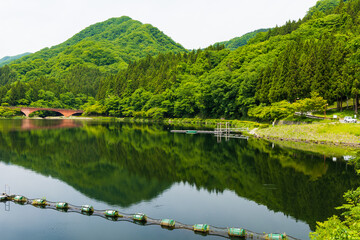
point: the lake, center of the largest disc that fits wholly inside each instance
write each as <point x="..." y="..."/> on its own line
<point x="133" y="168"/>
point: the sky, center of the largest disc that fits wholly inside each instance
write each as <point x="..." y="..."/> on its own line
<point x="31" y="25"/>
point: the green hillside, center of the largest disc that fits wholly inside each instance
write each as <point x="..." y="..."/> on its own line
<point x="234" y="43"/>
<point x="8" y="59"/>
<point x="107" y="46"/>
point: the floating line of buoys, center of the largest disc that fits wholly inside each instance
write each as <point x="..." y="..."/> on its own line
<point x="143" y="219"/>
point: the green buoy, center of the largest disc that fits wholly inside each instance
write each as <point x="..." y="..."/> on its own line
<point x="87" y="208"/>
<point x="112" y="213"/>
<point x="140" y="217"/>
<point x="204" y="228"/>
<point x="62" y="205"/>
<point x="275" y="236"/>
<point x="19" y="198"/>
<point x="236" y="232"/>
<point x="170" y="223"/>
<point x="39" y="202"/>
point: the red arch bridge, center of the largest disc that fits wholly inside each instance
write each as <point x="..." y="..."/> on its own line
<point x="66" y="112"/>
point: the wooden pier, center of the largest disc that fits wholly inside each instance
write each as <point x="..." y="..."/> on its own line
<point x="219" y="132"/>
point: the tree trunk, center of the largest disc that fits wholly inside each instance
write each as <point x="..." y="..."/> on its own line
<point x="341" y="103"/>
<point x="347" y="102"/>
<point x="338" y="104"/>
<point x="356" y="103"/>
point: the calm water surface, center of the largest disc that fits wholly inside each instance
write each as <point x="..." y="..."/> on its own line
<point x="145" y="168"/>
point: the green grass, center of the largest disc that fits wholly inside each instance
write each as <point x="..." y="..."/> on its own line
<point x="295" y="118"/>
<point x="331" y="113"/>
<point x="321" y="132"/>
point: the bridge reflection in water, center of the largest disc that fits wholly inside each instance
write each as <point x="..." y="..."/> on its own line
<point x="33" y="124"/>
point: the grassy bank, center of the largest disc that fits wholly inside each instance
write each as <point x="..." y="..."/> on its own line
<point x="323" y="149"/>
<point x="331" y="133"/>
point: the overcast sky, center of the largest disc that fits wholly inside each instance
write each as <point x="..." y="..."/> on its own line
<point x="30" y="25"/>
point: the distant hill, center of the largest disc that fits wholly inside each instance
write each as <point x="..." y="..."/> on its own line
<point x="241" y="41"/>
<point x="8" y="59"/>
<point x="107" y="46"/>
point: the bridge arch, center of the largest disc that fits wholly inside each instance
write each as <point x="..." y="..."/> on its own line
<point x="65" y="112"/>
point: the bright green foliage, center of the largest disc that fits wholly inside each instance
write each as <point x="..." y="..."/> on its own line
<point x="7" y="112"/>
<point x="349" y="228"/>
<point x="315" y="103"/>
<point x="277" y="110"/>
<point x="95" y="109"/>
<point x="283" y="109"/>
<point x="322" y="7"/>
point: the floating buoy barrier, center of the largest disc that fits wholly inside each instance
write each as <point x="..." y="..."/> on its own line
<point x="275" y="236"/>
<point x="236" y="232"/>
<point x="20" y="199"/>
<point x="169" y="223"/>
<point x="39" y="202"/>
<point x="62" y="205"/>
<point x="204" y="228"/>
<point x="142" y="219"/>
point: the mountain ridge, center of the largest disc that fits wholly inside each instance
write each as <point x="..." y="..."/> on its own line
<point x="8" y="59"/>
<point x="236" y="42"/>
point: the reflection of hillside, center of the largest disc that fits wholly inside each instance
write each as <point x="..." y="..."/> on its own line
<point x="124" y="164"/>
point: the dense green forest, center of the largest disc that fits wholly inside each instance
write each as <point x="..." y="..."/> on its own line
<point x="8" y="59"/>
<point x="124" y="68"/>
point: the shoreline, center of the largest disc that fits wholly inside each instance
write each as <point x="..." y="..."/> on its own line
<point x="319" y="142"/>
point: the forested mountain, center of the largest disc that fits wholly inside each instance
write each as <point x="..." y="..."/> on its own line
<point x="9" y="59"/>
<point x="107" y="46"/>
<point x="234" y="43"/>
<point x="319" y="53"/>
<point x="74" y="68"/>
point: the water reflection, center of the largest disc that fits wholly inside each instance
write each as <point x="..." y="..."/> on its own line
<point x="37" y="124"/>
<point x="124" y="164"/>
